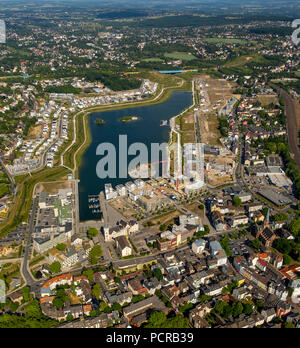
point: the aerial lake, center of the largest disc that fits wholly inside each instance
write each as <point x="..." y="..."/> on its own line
<point x="147" y="130"/>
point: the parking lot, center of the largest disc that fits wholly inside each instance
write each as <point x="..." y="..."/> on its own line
<point x="239" y="247"/>
<point x="256" y="180"/>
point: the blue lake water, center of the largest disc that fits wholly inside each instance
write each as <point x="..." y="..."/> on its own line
<point x="146" y="130"/>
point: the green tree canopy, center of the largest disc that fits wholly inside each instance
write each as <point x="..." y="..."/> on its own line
<point x="158" y="274"/>
<point x="255" y="244"/>
<point x="95" y="254"/>
<point x="159" y="320"/>
<point x="248" y="309"/>
<point x="283" y="245"/>
<point x="238" y="309"/>
<point x="294" y="227"/>
<point x="92" y="233"/>
<point x="61" y="247"/>
<point x="26" y="293"/>
<point x="96" y="290"/>
<point x="55" y="267"/>
<point x="89" y="274"/>
<point x="237" y="202"/>
<point x="117" y="307"/>
<point x="288" y="325"/>
<point x="58" y="302"/>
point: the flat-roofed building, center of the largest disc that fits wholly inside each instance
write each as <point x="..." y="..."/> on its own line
<point x="198" y="246"/>
<point x="121" y="190"/>
<point x="274" y="161"/>
<point x="238" y="220"/>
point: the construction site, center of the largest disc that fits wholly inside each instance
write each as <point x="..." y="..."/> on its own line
<point x="214" y="97"/>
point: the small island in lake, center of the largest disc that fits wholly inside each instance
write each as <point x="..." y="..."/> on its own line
<point x="99" y="121"/>
<point x="129" y="118"/>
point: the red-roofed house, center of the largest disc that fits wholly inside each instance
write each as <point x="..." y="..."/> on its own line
<point x="87" y="309"/>
<point x="47" y="299"/>
<point x="261" y="264"/>
<point x="59" y="280"/>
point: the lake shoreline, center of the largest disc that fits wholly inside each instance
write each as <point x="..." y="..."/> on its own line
<point x="166" y="94"/>
<point x="89" y="182"/>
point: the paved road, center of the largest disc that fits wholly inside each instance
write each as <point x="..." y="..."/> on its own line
<point x="29" y="280"/>
<point x="4" y="261"/>
<point x="76" y="217"/>
<point x="103" y="208"/>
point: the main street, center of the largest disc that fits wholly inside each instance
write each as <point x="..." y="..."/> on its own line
<point x="25" y="271"/>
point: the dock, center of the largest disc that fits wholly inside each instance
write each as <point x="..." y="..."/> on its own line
<point x="103" y="208"/>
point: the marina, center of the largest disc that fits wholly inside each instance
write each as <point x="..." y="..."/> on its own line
<point x="94" y="204"/>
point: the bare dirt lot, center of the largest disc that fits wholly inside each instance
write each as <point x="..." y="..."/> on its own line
<point x="188" y="128"/>
<point x="216" y="175"/>
<point x="267" y="99"/>
<point x="35" y="132"/>
<point x="218" y="91"/>
<point x="73" y="298"/>
<point x="209" y="130"/>
<point x="194" y="207"/>
<point x="123" y="208"/>
<point x="214" y="94"/>
<point x="165" y="219"/>
<point x="53" y="187"/>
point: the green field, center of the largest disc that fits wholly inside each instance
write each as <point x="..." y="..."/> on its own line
<point x="225" y="41"/>
<point x="4" y="184"/>
<point x="180" y="55"/>
<point x="150" y="60"/>
<point x="4" y="190"/>
<point x="243" y="60"/>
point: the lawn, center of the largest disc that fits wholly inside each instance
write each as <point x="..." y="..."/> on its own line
<point x="242" y="60"/>
<point x="149" y="60"/>
<point x="180" y="55"/>
<point x="4" y="190"/>
<point x="225" y="41"/>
